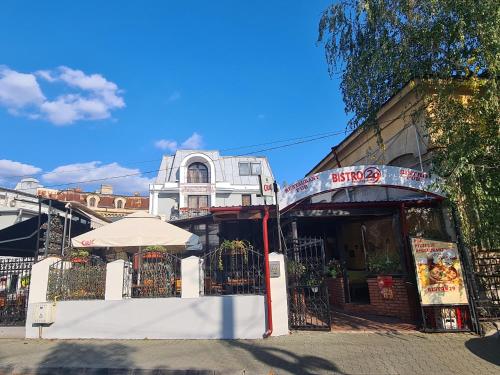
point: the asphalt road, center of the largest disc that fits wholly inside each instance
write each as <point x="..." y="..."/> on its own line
<point x="299" y="353"/>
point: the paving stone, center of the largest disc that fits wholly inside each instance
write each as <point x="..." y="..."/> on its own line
<point x="299" y="353"/>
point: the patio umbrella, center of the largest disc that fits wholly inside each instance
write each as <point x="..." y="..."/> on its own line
<point x="138" y="230"/>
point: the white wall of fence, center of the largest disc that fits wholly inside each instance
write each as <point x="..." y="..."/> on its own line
<point x="192" y="316"/>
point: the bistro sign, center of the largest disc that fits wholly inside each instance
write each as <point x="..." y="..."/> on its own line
<point x="362" y="175"/>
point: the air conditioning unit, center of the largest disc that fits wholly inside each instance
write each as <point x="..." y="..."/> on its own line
<point x="44" y="313"/>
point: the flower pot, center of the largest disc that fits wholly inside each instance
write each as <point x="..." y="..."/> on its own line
<point x="79" y="260"/>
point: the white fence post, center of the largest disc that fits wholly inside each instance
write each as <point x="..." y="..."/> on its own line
<point x="40" y="279"/>
<point x="190" y="276"/>
<point x="279" y="297"/>
<point x="115" y="272"/>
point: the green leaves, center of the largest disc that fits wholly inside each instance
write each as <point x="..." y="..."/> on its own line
<point x="452" y="48"/>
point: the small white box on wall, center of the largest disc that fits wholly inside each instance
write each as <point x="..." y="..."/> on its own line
<point x="44" y="313"/>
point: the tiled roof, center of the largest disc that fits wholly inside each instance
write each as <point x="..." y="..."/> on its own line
<point x="105" y="200"/>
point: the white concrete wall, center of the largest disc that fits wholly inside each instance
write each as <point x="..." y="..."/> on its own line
<point x="39" y="280"/>
<point x="279" y="298"/>
<point x="190" y="275"/>
<point x="190" y="317"/>
<point x="114" y="280"/>
<point x="221" y="317"/>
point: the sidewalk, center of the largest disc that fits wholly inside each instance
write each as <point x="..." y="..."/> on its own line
<point x="300" y="353"/>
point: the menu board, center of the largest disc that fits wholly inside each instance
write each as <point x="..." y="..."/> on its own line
<point x="439" y="272"/>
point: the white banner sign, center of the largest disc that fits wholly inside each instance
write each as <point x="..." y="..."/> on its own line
<point x="361" y="175"/>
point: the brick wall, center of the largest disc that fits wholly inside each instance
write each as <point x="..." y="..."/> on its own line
<point x="336" y="291"/>
<point x="400" y="306"/>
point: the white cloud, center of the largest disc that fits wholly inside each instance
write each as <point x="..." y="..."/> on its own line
<point x="94" y="97"/>
<point x="18" y="90"/>
<point x="176" y="95"/>
<point x="11" y="171"/>
<point x="46" y="75"/>
<point x="78" y="173"/>
<point x="166" y="144"/>
<point x="193" y="143"/>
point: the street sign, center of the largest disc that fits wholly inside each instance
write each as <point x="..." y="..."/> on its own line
<point x="266" y="186"/>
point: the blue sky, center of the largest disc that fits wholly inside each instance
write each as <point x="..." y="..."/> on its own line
<point x="104" y="88"/>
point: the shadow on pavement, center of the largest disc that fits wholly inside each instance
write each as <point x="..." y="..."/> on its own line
<point x="280" y="359"/>
<point x="487" y="348"/>
<point x="70" y="357"/>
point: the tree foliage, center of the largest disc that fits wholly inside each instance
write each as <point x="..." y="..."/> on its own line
<point x="452" y="47"/>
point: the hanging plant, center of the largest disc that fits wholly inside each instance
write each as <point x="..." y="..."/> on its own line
<point x="233" y="247"/>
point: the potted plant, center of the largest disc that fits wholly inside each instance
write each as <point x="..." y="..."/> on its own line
<point x="154" y="252"/>
<point x="383" y="264"/>
<point x="295" y="269"/>
<point x="79" y="256"/>
<point x="313" y="282"/>
<point x="333" y="269"/>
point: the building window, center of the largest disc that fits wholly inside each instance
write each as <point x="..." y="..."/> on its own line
<point x="246" y="200"/>
<point x="197" y="173"/>
<point x="119" y="203"/>
<point x="198" y="201"/>
<point x="256" y="169"/>
<point x="92" y="202"/>
<point x="250" y="169"/>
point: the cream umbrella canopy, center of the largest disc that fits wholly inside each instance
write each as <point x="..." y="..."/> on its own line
<point x="137" y="230"/>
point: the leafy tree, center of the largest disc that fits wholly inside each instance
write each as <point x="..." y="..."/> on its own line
<point x="450" y="50"/>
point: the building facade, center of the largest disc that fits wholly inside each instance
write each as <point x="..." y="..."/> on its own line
<point x="366" y="202"/>
<point x="191" y="181"/>
<point x="103" y="201"/>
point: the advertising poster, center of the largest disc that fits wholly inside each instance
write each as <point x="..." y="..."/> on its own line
<point x="439" y="272"/>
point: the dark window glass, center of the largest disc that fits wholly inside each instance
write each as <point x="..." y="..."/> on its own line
<point x="119" y="204"/>
<point x="197" y="173"/>
<point x="244" y="169"/>
<point x="92" y="202"/>
<point x="198" y="201"/>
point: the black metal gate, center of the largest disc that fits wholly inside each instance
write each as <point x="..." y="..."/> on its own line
<point x="15" y="274"/>
<point x="308" y="302"/>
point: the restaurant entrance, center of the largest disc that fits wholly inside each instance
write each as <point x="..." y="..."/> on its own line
<point x="369" y="267"/>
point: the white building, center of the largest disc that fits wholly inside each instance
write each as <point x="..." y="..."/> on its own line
<point x="192" y="181"/>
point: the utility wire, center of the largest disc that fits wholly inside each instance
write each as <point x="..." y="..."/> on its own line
<point x="167" y="169"/>
<point x="156" y="160"/>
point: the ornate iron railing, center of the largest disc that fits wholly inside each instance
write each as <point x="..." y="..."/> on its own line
<point x="77" y="279"/>
<point x="156" y="274"/>
<point x="232" y="271"/>
<point x="15" y="277"/>
<point x="187" y="213"/>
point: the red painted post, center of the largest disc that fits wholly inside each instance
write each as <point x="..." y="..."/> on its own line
<point x="267" y="274"/>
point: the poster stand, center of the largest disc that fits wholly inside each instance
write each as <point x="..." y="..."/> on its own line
<point x="441" y="286"/>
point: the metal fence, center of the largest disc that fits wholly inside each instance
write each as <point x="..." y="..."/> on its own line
<point x="487" y="277"/>
<point x="308" y="297"/>
<point x="233" y="271"/>
<point x="77" y="279"/>
<point x="15" y="276"/>
<point x="156" y="274"/>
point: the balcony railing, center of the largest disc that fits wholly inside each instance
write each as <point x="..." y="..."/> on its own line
<point x="187" y="213"/>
